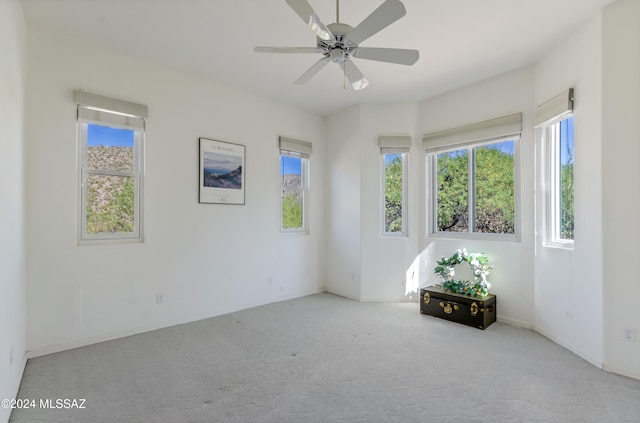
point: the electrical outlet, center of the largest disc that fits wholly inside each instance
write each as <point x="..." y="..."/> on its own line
<point x="629" y="334"/>
<point x="159" y="298"/>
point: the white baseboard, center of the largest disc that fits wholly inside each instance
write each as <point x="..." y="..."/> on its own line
<point x="342" y="294"/>
<point x="514" y="322"/>
<point x="52" y="349"/>
<point x="596" y="362"/>
<point x="621" y="371"/>
<point x="382" y="300"/>
<point x="79" y="343"/>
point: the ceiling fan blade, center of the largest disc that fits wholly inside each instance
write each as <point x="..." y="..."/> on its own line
<point x="285" y="49"/>
<point x="355" y="77"/>
<point x="386" y="14"/>
<point x="390" y="55"/>
<point x="304" y="10"/>
<point x="313" y="70"/>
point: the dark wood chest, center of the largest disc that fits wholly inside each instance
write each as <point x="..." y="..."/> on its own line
<point x="470" y="311"/>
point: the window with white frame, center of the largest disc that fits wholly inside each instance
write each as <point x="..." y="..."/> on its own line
<point x="111" y="148"/>
<point x="394" y="151"/>
<point x="474" y="179"/>
<point x="555" y="120"/>
<point x="294" y="185"/>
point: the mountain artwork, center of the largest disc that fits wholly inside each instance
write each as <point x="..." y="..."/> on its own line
<point x="222" y="171"/>
<point x="214" y="179"/>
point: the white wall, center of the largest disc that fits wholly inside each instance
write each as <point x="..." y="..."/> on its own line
<point x="512" y="276"/>
<point x="568" y="307"/>
<point x="361" y="264"/>
<point x="621" y="179"/>
<point x="204" y="259"/>
<point x="385" y="260"/>
<point x="342" y="209"/>
<point x="12" y="242"/>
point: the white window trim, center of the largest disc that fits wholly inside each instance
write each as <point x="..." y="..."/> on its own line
<point x="291" y="147"/>
<point x="547" y="114"/>
<point x="106" y="111"/>
<point x="551" y="192"/>
<point x="85" y="237"/>
<point x="432" y="204"/>
<point x="304" y="190"/>
<point x="405" y="171"/>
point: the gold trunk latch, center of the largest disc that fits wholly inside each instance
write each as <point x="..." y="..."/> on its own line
<point x="427" y="298"/>
<point x="474" y="309"/>
<point x="448" y="309"/>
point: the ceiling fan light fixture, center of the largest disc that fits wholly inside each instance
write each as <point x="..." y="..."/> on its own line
<point x="319" y="28"/>
<point x="360" y="84"/>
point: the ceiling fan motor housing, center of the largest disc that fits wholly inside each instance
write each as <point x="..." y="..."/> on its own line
<point x="338" y="50"/>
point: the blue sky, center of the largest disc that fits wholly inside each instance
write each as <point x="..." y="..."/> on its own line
<point x="111" y="137"/>
<point x="290" y="165"/>
<point x="505" y="146"/>
<point x="389" y="157"/>
<point x="566" y="141"/>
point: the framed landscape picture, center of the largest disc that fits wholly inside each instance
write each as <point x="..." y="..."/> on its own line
<point x="222" y="172"/>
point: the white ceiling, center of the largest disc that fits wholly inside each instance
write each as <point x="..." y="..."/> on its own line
<point x="460" y="41"/>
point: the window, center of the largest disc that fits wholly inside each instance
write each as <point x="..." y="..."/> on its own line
<point x="555" y="119"/>
<point x="294" y="184"/>
<point x="475" y="189"/>
<point x="473" y="180"/>
<point x="560" y="192"/>
<point x="394" y="152"/>
<point x="111" y="157"/>
<point x="394" y="165"/>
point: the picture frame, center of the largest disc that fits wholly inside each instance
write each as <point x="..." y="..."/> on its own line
<point x="222" y="172"/>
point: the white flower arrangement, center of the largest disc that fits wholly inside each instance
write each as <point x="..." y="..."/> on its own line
<point x="479" y="266"/>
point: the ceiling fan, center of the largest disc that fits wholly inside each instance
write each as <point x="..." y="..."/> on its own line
<point x="340" y="43"/>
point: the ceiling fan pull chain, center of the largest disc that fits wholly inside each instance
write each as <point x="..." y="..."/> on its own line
<point x="344" y="77"/>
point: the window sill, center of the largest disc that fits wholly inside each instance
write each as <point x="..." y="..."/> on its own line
<point x="567" y="246"/>
<point x="401" y="235"/>
<point x="109" y="241"/>
<point x="475" y="236"/>
<point x="294" y="233"/>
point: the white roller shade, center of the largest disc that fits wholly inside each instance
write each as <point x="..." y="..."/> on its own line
<point x="394" y="150"/>
<point x="99" y="102"/>
<point x="502" y="127"/>
<point x="554" y="108"/>
<point x="98" y="117"/>
<point x="296" y="147"/>
<point x="395" y="141"/>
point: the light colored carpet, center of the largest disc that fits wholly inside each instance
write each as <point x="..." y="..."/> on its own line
<point x="324" y="358"/>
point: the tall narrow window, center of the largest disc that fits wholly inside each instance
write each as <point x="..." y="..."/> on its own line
<point x="555" y="119"/>
<point x="394" y="152"/>
<point x="294" y="184"/>
<point x="111" y="156"/>
<point x="561" y="180"/>
<point x="474" y="179"/>
<point x="395" y="191"/>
